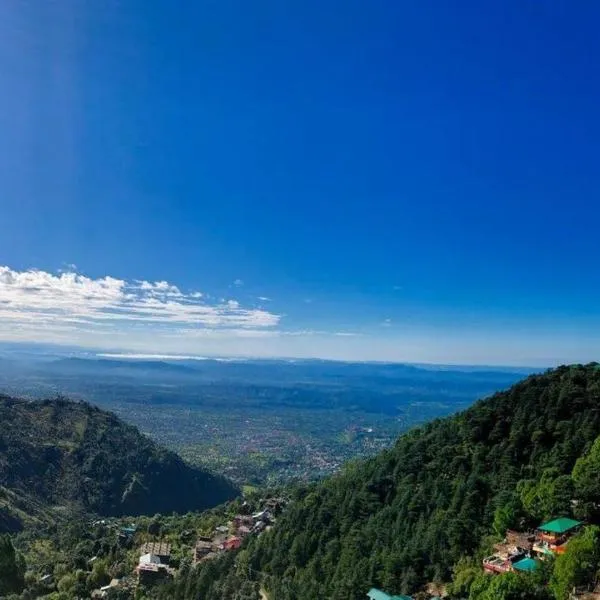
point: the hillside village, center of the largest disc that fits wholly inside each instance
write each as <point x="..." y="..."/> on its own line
<point x="156" y="562"/>
<point x="132" y="557"/>
<point x="158" y="557"/>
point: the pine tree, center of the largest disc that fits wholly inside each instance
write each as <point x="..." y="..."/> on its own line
<point x="12" y="568"/>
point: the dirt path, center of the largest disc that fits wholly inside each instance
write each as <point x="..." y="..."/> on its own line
<point x="263" y="595"/>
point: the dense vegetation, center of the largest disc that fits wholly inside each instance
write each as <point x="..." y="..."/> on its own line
<point x="58" y="456"/>
<point x="12" y="568"/>
<point x="407" y="516"/>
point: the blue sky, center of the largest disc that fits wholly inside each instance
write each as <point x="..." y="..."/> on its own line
<point x="408" y="181"/>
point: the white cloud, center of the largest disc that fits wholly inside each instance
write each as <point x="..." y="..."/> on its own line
<point x="37" y="298"/>
<point x="238" y="283"/>
<point x="139" y="316"/>
<point x="264" y="299"/>
<point x="161" y="288"/>
<point x="229" y="333"/>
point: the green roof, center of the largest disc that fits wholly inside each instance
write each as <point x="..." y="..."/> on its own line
<point x="561" y="525"/>
<point x="375" y="594"/>
<point x="526" y="564"/>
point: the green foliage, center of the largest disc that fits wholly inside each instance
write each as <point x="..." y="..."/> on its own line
<point x="74" y="455"/>
<point x="220" y="578"/>
<point x="510" y="586"/>
<point x="509" y="513"/>
<point x="465" y="573"/>
<point x="12" y="568"/>
<point x="549" y="496"/>
<point x="586" y="478"/>
<point x="579" y="565"/>
<point x="99" y="575"/>
<point x="67" y="584"/>
<point x="154" y="526"/>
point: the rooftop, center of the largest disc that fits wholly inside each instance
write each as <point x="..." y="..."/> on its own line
<point x="561" y="525"/>
<point x="526" y="564"/>
<point x="159" y="548"/>
<point x="128" y="530"/>
<point x="375" y="594"/>
<point x="113" y="583"/>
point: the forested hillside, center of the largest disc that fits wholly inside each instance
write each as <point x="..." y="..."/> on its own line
<point x="58" y="456"/>
<point x="409" y="515"/>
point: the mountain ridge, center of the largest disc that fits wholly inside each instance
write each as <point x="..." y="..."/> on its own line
<point x="62" y="456"/>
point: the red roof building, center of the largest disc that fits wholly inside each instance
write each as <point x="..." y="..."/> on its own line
<point x="232" y="543"/>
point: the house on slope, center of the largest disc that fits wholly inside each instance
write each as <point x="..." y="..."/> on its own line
<point x="105" y="590"/>
<point x="375" y="594"/>
<point x="150" y="569"/>
<point x="526" y="565"/>
<point x="203" y="548"/>
<point x="555" y="534"/>
<point x="232" y="543"/>
<point x="160" y="549"/>
<point x="243" y="520"/>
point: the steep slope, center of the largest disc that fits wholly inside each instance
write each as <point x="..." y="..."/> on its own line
<point x="411" y="513"/>
<point x="58" y="456"/>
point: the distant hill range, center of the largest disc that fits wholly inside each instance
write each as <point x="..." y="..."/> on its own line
<point x="307" y="384"/>
<point x="280" y="372"/>
<point x="59" y="456"/>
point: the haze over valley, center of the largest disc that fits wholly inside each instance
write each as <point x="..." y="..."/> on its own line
<point x="257" y="421"/>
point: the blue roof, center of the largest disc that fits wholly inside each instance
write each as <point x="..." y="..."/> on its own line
<point x="128" y="529"/>
<point x="375" y="594"/>
<point x="526" y="564"/>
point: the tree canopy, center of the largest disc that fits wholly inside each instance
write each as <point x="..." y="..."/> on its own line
<point x="579" y="565"/>
<point x="12" y="568"/>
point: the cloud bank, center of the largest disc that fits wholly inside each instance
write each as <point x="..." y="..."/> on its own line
<point x="36" y="300"/>
<point x="141" y="316"/>
<point x="158" y="318"/>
